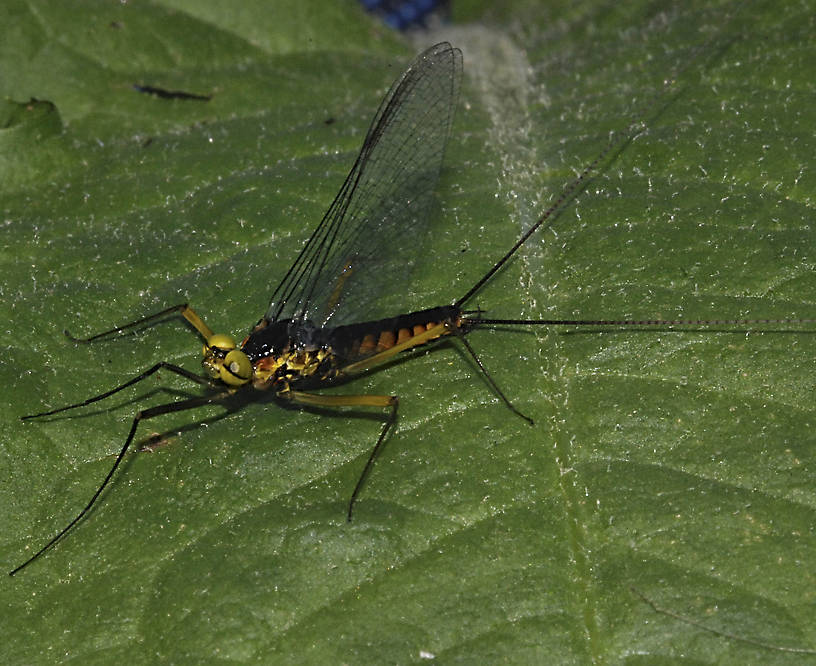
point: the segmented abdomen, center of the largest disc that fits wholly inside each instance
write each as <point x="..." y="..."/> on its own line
<point x="357" y="341"/>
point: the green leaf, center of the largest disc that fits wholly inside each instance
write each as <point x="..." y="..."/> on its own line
<point x="678" y="463"/>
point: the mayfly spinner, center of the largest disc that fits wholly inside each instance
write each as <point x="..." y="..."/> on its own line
<point x="312" y="334"/>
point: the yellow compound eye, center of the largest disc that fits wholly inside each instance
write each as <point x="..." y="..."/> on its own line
<point x="219" y="341"/>
<point x="236" y="369"/>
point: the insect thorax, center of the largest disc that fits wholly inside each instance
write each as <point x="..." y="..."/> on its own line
<point x="296" y="366"/>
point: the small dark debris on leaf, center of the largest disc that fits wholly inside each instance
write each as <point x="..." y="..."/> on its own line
<point x="170" y="94"/>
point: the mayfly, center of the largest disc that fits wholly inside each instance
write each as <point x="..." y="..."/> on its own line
<point x="315" y="332"/>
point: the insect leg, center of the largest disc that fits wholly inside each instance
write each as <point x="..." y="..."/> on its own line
<point x="168" y="408"/>
<point x="183" y="309"/>
<point x="490" y="379"/>
<point x="390" y="402"/>
<point x="159" y="366"/>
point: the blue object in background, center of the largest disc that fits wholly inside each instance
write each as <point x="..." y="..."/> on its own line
<point x="405" y="14"/>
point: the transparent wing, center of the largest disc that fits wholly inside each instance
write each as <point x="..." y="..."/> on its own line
<point x="369" y="237"/>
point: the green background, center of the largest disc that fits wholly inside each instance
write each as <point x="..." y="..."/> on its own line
<point x="680" y="463"/>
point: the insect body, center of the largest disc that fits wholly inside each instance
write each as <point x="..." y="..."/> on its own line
<point x="314" y="331"/>
<point x="323" y="324"/>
